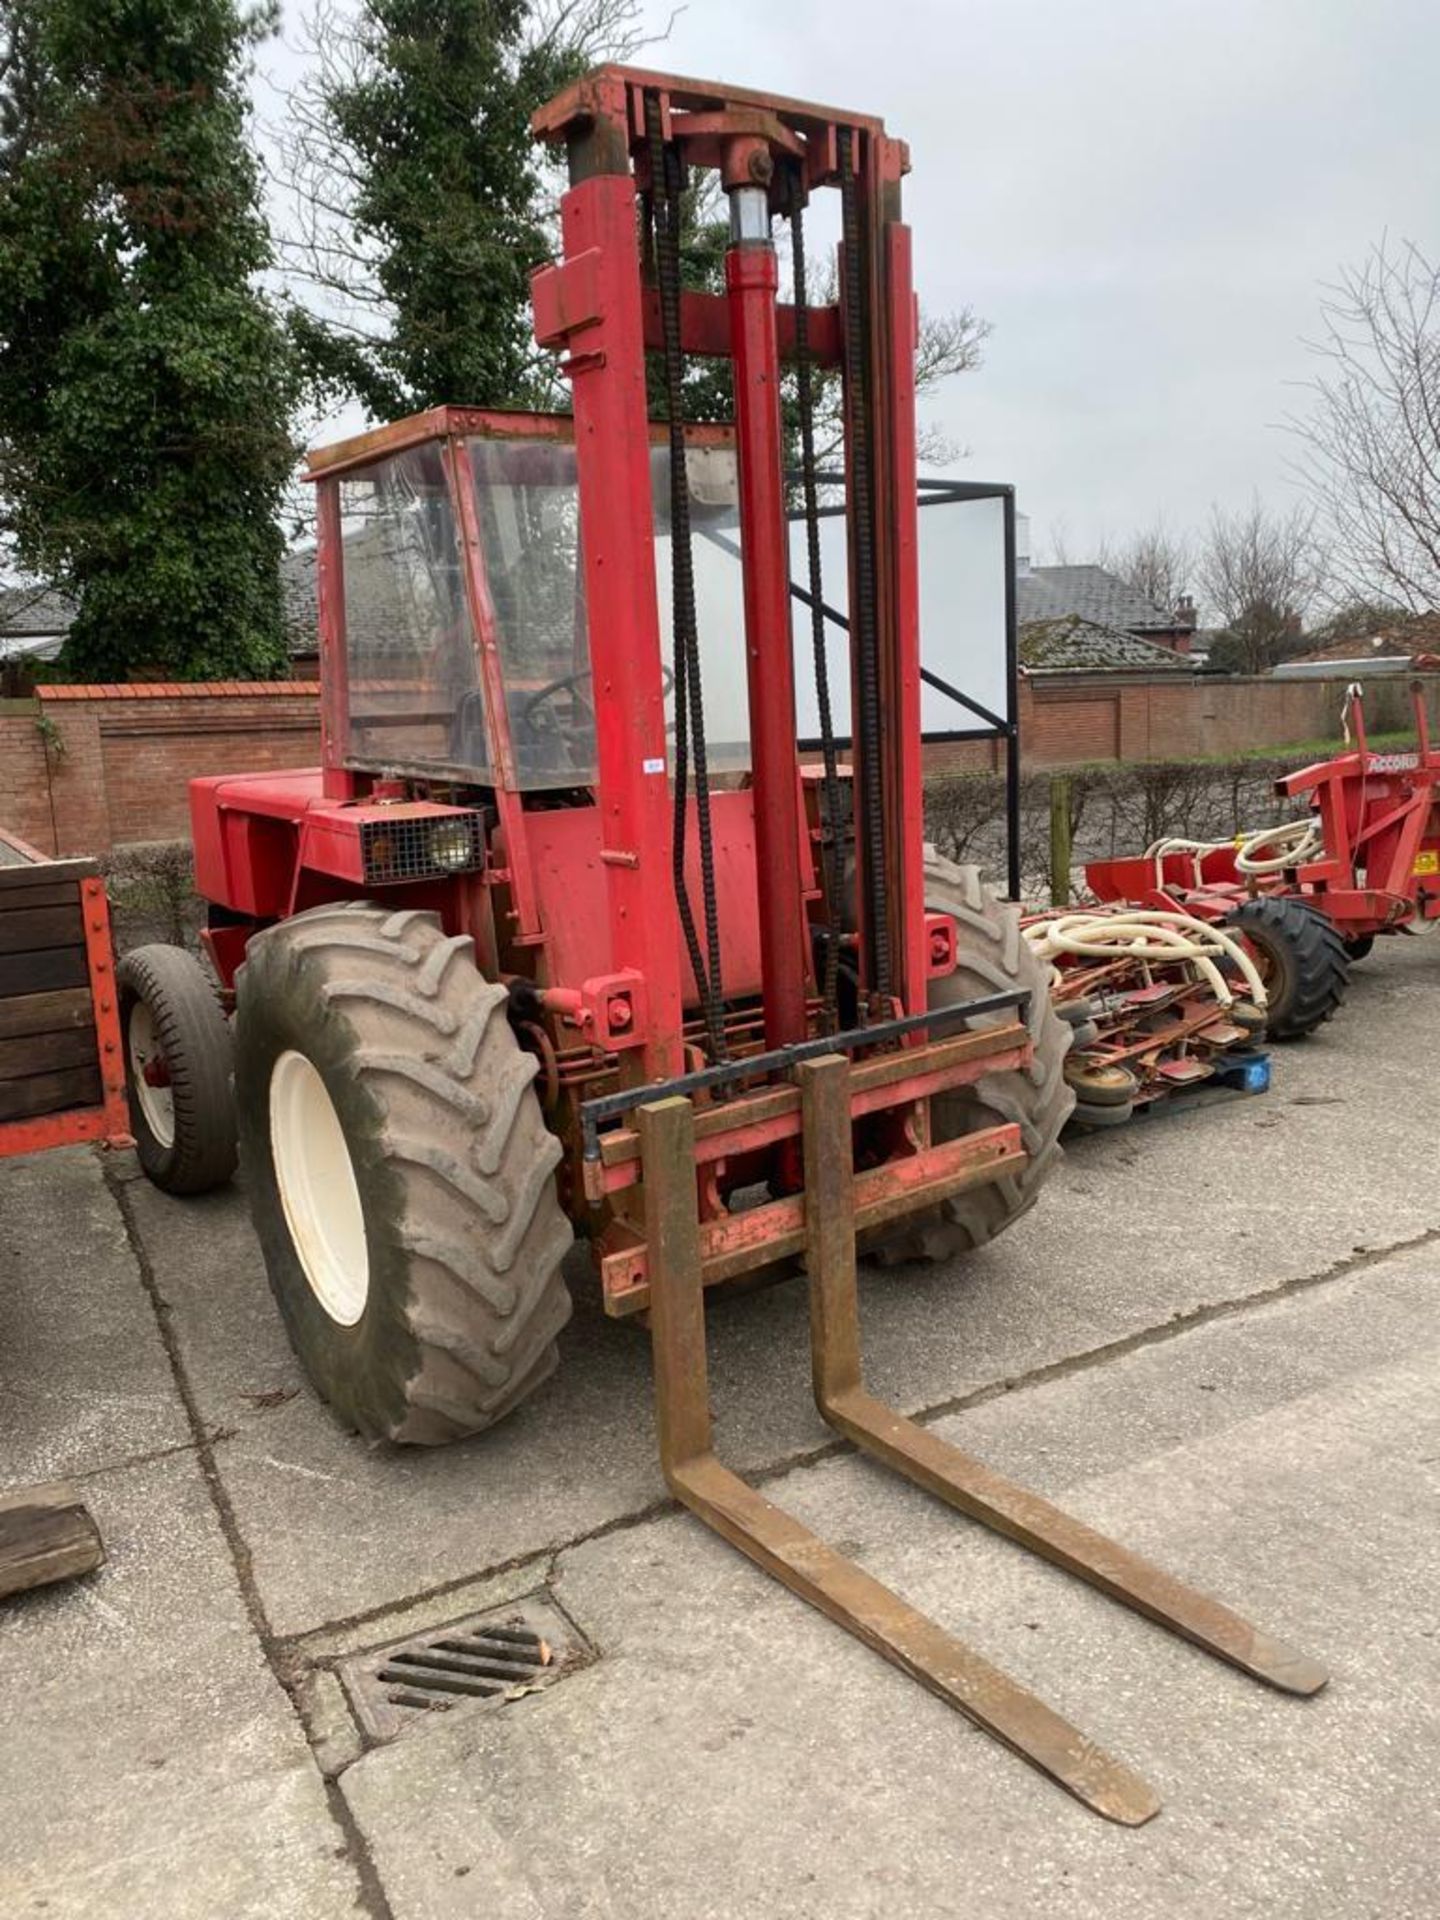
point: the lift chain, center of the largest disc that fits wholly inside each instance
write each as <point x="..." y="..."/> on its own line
<point x="830" y="826"/>
<point x="666" y="190"/>
<point x="865" y="612"/>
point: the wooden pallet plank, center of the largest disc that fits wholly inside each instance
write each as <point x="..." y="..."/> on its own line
<point x="48" y="873"/>
<point x="49" y="1093"/>
<point x="37" y="1053"/>
<point x="43" y="971"/>
<point x="41" y="927"/>
<point x="58" y="893"/>
<point x="46" y="1533"/>
<point x="46" y="1013"/>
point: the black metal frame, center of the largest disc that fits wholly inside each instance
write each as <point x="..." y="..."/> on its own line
<point x="1006" y="727"/>
<point x="939" y="493"/>
<point x="609" y="1106"/>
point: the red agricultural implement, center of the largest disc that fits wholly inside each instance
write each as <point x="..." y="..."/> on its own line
<point x="1158" y="1003"/>
<point x="537" y="949"/>
<point x="1313" y="894"/>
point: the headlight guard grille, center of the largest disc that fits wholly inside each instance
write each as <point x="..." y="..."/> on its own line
<point x="403" y="848"/>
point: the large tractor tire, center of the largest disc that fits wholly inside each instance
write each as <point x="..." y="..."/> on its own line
<point x="401" y="1175"/>
<point x="993" y="957"/>
<point x="177" y="1070"/>
<point x="1302" y="960"/>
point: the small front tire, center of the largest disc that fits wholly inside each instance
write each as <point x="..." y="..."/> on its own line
<point x="177" y="1070"/>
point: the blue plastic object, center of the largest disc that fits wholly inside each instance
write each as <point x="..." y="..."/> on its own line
<point x="1249" y="1072"/>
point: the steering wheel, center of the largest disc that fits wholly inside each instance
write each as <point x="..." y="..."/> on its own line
<point x="567" y="683"/>
<point x="571" y="682"/>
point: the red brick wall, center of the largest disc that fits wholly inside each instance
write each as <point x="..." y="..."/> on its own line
<point x="24" y="785"/>
<point x="83" y="769"/>
<point x="1174" y="717"/>
<point x="1084" y="725"/>
<point x="120" y="758"/>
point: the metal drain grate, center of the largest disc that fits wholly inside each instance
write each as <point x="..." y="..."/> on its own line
<point x="484" y="1660"/>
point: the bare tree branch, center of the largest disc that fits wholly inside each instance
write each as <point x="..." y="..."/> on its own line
<point x="1260" y="573"/>
<point x="1156" y="562"/>
<point x="1371" y="438"/>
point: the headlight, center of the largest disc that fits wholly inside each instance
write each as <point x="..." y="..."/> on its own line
<point x="395" y="846"/>
<point x="452" y="844"/>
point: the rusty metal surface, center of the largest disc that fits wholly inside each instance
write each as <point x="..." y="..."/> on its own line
<point x="788" y="1550"/>
<point x="805" y="1563"/>
<point x="486" y="1659"/>
<point x="738" y="1243"/>
<point x="887" y="1080"/>
<point x="957" y="1477"/>
<point x="581" y="101"/>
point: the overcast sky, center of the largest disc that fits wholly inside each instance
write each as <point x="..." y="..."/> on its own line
<point x="1142" y="196"/>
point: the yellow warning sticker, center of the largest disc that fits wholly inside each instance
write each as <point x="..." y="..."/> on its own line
<point x="1428" y="861"/>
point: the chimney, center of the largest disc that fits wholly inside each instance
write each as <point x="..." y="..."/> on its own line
<point x="1186" y="618"/>
<point x="1022" y="545"/>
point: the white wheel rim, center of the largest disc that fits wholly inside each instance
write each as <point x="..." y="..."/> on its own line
<point x="318" y="1191"/>
<point x="146" y="1054"/>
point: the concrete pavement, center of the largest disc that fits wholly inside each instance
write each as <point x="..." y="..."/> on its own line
<point x="1215" y="1337"/>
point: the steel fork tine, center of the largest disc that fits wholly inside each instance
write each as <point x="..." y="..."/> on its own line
<point x="783" y="1547"/>
<point x="957" y="1477"/>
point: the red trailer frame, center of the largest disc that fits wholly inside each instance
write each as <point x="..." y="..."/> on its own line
<point x="107" y="1119"/>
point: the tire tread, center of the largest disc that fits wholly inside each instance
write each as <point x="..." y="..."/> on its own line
<point x="194" y="1036"/>
<point x="479" y="1226"/>
<point x="994" y="953"/>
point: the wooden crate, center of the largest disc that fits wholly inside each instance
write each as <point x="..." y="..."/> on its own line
<point x="61" y="1070"/>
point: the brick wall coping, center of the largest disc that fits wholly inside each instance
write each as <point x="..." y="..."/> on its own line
<point x="182" y="690"/>
<point x="1056" y="682"/>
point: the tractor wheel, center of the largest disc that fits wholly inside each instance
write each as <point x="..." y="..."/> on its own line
<point x="1097" y="1086"/>
<point x="401" y="1175"/>
<point x="1302" y="961"/>
<point x="1088" y="1117"/>
<point x="177" y="1070"/>
<point x="1248" y="1017"/>
<point x="1359" y="947"/>
<point x="993" y="957"/>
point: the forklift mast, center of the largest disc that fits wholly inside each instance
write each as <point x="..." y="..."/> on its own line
<point x="614" y="298"/>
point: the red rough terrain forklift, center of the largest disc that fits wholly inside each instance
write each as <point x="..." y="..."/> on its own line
<point x="537" y="950"/>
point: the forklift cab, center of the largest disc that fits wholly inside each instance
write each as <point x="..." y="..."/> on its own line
<point x="467" y="660"/>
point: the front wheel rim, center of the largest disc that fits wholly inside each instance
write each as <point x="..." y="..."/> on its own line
<point x="319" y="1194"/>
<point x="156" y="1098"/>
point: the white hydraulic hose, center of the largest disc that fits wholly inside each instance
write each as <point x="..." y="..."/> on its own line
<point x="1152" y="937"/>
<point x="1158" y="849"/>
<point x="1293" y="843"/>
